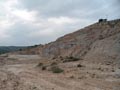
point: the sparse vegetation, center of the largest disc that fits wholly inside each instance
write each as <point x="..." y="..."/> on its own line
<point x="53" y="63"/>
<point x="70" y="59"/>
<point x="40" y="64"/>
<point x="113" y="70"/>
<point x="20" y="49"/>
<point x="33" y="46"/>
<point x="101" y="37"/>
<point x="72" y="77"/>
<point x="5" y="49"/>
<point x="44" y="67"/>
<point x="56" y="69"/>
<point x="79" y="65"/>
<point x="54" y="58"/>
<point x="61" y="58"/>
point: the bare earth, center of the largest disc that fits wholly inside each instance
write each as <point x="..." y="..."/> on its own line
<point x="27" y="76"/>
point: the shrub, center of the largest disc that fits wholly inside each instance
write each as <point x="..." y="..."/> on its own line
<point x="101" y="37"/>
<point x="113" y="70"/>
<point x="40" y="64"/>
<point x="61" y="58"/>
<point x="53" y="58"/>
<point x="79" y="65"/>
<point x="53" y="63"/>
<point x="70" y="59"/>
<point x="56" y="69"/>
<point x="72" y="77"/>
<point x="44" y="67"/>
<point x="73" y="58"/>
<point x="20" y="49"/>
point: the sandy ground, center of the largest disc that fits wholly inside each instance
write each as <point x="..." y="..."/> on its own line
<point x="26" y="76"/>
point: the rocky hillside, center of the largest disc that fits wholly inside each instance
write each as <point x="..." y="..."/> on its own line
<point x="30" y="50"/>
<point x="97" y="42"/>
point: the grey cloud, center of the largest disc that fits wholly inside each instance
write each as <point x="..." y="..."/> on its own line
<point x="85" y="11"/>
<point x="51" y="8"/>
<point x="79" y="8"/>
<point x="18" y="34"/>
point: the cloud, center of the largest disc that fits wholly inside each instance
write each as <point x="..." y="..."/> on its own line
<point x="61" y="8"/>
<point x="52" y="27"/>
<point x="29" y="22"/>
<point x="4" y="26"/>
<point x="62" y="20"/>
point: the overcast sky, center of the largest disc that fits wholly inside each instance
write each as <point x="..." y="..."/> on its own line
<point x="29" y="22"/>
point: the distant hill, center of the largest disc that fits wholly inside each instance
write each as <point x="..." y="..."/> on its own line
<point x="6" y="49"/>
<point x="99" y="42"/>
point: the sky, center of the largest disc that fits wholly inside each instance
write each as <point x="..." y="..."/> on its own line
<point x="30" y="22"/>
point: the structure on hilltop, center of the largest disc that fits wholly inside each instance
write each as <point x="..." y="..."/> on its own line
<point x="102" y="20"/>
